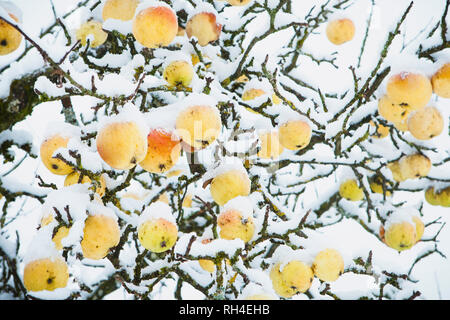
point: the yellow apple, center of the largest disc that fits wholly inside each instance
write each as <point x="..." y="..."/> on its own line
<point x="395" y="170"/>
<point x="432" y="197"/>
<point x="414" y="166"/>
<point x="155" y="27"/>
<point x="187" y="201"/>
<point x="410" y="167"/>
<point x="59" y="235"/>
<point x="438" y="198"/>
<point x="251" y="94"/>
<point x="382" y="131"/>
<point x="206" y="264"/>
<point x="242" y="79"/>
<point x="444" y="197"/>
<point x="420" y="227"/>
<point x="376" y="185"/>
<point x="196" y="59"/>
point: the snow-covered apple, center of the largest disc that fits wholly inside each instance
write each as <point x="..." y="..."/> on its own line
<point x="204" y="27"/>
<point x="155" y="26"/>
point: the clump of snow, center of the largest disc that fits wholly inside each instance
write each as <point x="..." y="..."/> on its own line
<point x="42" y="246"/>
<point x="256" y="289"/>
<point x="210" y="249"/>
<point x="225" y="165"/>
<point x="157" y="210"/>
<point x="207" y="8"/>
<point x="62" y="129"/>
<point x="402" y="215"/>
<point x="151" y="3"/>
<point x="285" y="254"/>
<point x="75" y="197"/>
<point x="172" y="56"/>
<point x="256" y="83"/>
<point x="128" y="113"/>
<point x="95" y="208"/>
<point x="242" y="204"/>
